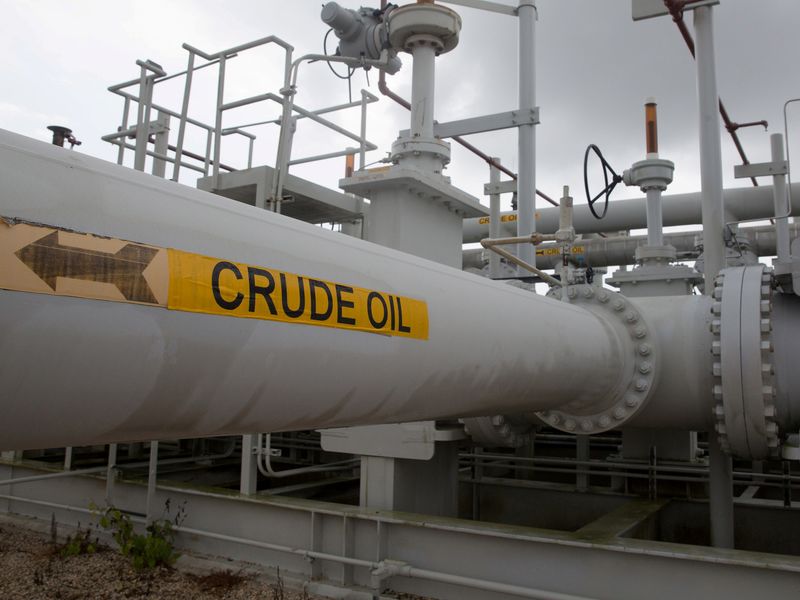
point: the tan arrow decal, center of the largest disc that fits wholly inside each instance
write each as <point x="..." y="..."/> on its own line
<point x="50" y="260"/>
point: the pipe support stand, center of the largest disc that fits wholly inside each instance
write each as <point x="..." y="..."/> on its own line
<point x="639" y="364"/>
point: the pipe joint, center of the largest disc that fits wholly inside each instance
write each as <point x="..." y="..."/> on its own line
<point x="638" y="359"/>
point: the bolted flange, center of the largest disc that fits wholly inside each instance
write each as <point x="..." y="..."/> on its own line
<point x="744" y="387"/>
<point x="639" y="369"/>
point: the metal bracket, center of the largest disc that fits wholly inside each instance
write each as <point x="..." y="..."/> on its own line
<point x="502" y="187"/>
<point x="504" y="120"/>
<point x="766" y="169"/>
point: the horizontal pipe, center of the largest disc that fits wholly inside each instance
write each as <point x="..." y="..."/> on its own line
<point x="620" y="250"/>
<point x="624" y="215"/>
<point x="122" y="372"/>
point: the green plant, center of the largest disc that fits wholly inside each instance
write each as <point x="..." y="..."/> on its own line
<point x="80" y="543"/>
<point x="153" y="548"/>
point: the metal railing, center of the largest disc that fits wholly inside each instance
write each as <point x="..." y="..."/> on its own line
<point x="146" y="131"/>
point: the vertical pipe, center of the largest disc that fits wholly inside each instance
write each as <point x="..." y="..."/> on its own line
<point x="218" y="120"/>
<point x="526" y="179"/>
<point x="187" y="89"/>
<point x="422" y="91"/>
<point x="68" y="458"/>
<point x="111" y="473"/>
<point x="710" y="150"/>
<point x="494" y="219"/>
<point x="780" y="199"/>
<point x="140" y="153"/>
<point x="161" y="145"/>
<point x="582" y="454"/>
<point x="655" y="226"/>
<point x="207" y="163"/>
<point x="720" y="466"/>
<point x="125" y="115"/>
<point x="152" y="474"/>
<point x="362" y="154"/>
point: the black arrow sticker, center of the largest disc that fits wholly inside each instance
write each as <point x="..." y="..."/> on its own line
<point x="124" y="269"/>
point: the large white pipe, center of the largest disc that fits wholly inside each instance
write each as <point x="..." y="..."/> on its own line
<point x="78" y="371"/>
<point x="743" y="203"/>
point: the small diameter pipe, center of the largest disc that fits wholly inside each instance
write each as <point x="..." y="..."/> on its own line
<point x="526" y="134"/>
<point x="265" y="466"/>
<point x="493" y="245"/>
<point x="494" y="220"/>
<point x="710" y="151"/>
<point x="781" y="201"/>
<point x="655" y="227"/>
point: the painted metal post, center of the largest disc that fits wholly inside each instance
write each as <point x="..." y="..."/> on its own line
<point x="218" y="120"/>
<point x="111" y="473"/>
<point x="710" y="149"/>
<point x="248" y="479"/>
<point x="362" y="148"/>
<point x="494" y="219"/>
<point x="125" y="114"/>
<point x="152" y="475"/>
<point x="143" y="119"/>
<point x="161" y="145"/>
<point x="721" y="469"/>
<point x="781" y="201"/>
<point x="187" y="89"/>
<point x="526" y="179"/>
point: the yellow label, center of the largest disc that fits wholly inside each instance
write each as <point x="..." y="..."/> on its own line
<point x="219" y="287"/>
<point x="48" y="260"/>
<point x="503" y="219"/>
<point x="557" y="251"/>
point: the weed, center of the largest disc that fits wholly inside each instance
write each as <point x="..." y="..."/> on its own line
<point x="277" y="587"/>
<point x="80" y="543"/>
<point x="153" y="548"/>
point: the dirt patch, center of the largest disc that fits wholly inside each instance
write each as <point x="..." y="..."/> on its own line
<point x="33" y="568"/>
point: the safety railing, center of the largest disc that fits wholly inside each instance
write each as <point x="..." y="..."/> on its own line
<point x="147" y="132"/>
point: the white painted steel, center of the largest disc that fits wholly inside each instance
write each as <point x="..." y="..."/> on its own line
<point x="494" y="220"/>
<point x="78" y="372"/>
<point x="744" y="203"/>
<point x="655" y="227"/>
<point x="780" y="200"/>
<point x="423" y="86"/>
<point x="526" y="178"/>
<point x="721" y="481"/>
<point x="710" y="147"/>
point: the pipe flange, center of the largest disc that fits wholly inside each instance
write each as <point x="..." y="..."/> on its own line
<point x="639" y="368"/>
<point x="744" y="387"/>
<point x="497" y="431"/>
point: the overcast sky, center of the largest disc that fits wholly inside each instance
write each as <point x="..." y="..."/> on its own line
<point x="595" y="68"/>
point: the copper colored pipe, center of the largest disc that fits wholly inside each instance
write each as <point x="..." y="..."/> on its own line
<point x="675" y="8"/>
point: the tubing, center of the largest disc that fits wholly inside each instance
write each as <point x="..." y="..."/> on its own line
<point x="604" y="252"/>
<point x="123" y="372"/>
<point x="624" y="215"/>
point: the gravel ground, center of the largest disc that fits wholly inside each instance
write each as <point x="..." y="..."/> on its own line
<point x="32" y="568"/>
